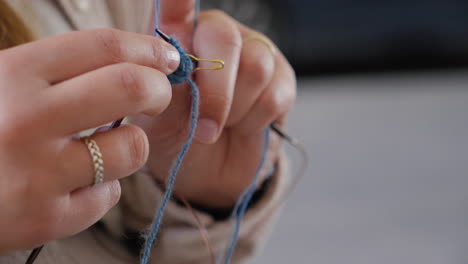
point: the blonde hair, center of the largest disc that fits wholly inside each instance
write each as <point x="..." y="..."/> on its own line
<point x="13" y="31"/>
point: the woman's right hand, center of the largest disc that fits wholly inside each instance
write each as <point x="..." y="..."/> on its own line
<point x="54" y="88"/>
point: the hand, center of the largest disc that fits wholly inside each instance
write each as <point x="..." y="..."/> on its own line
<point x="54" y="88"/>
<point x="256" y="87"/>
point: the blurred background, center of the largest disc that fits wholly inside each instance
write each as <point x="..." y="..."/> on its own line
<point x="338" y="36"/>
<point x="383" y="111"/>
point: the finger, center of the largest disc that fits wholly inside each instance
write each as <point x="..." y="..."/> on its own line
<point x="105" y="95"/>
<point x="218" y="37"/>
<point x="176" y="11"/>
<point x="274" y="102"/>
<point x="256" y="68"/>
<point x="87" y="206"/>
<point x="62" y="57"/>
<point x="176" y="17"/>
<point x="124" y="150"/>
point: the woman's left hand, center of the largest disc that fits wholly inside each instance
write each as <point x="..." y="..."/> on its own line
<point x="256" y="87"/>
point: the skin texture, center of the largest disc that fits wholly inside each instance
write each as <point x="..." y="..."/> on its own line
<point x="50" y="90"/>
<point x="54" y="88"/>
<point x="256" y="87"/>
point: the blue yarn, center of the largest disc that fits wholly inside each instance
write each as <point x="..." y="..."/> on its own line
<point x="244" y="200"/>
<point x="185" y="67"/>
<point x="179" y="76"/>
<point x="156" y="16"/>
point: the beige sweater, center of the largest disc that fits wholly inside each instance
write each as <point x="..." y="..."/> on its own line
<point x="179" y="240"/>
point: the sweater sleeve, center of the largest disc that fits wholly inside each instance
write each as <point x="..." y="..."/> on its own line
<point x="179" y="240"/>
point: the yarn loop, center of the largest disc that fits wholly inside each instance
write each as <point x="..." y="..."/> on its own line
<point x="185" y="67"/>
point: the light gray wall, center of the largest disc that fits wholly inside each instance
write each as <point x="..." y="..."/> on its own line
<point x="388" y="176"/>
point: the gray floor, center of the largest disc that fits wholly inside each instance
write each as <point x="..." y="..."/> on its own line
<point x="388" y="179"/>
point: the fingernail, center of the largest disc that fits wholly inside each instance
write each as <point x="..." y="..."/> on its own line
<point x="173" y="59"/>
<point x="207" y="130"/>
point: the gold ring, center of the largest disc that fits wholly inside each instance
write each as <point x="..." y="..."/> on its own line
<point x="98" y="163"/>
<point x="264" y="40"/>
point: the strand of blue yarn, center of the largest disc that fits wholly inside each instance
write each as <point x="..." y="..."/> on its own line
<point x="180" y="76"/>
<point x="244" y="200"/>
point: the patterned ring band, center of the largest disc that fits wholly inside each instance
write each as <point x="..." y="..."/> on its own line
<point x="98" y="163"/>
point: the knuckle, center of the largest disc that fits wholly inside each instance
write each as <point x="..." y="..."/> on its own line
<point x="227" y="32"/>
<point x="231" y="38"/>
<point x="157" y="56"/>
<point x="132" y="83"/>
<point x="279" y="100"/>
<point x="137" y="146"/>
<point x="259" y="68"/>
<point x="262" y="71"/>
<point x="110" y="43"/>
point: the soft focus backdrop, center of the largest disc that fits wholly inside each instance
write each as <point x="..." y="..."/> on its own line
<point x="383" y="112"/>
<point x="388" y="179"/>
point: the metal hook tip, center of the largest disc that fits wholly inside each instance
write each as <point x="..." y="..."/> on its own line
<point x="163" y="35"/>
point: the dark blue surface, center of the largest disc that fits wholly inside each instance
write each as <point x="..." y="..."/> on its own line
<point x="350" y="32"/>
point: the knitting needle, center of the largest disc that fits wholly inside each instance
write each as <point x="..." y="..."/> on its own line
<point x="32" y="257"/>
<point x="194" y="59"/>
<point x="163" y="36"/>
<point x="283" y="134"/>
<point x="117" y="123"/>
